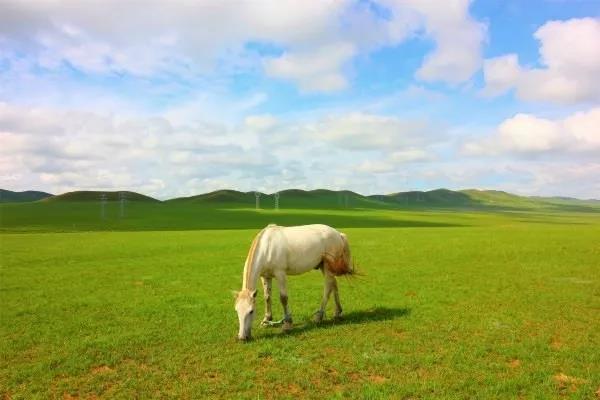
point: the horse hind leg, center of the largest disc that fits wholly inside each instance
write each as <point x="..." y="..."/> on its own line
<point x="328" y="287"/>
<point x="336" y="297"/>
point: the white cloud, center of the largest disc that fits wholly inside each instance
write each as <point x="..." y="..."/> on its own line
<point x="528" y="134"/>
<point x="570" y="65"/>
<point x="145" y="36"/>
<point x="262" y="122"/>
<point x="361" y="131"/>
<point x="375" y="166"/>
<point x="395" y="161"/>
<point x="57" y="151"/>
<point x="67" y="150"/>
<point x="458" y="38"/>
<point x="500" y="74"/>
<point x="316" y="70"/>
<point x="579" y="179"/>
<point x="316" y="39"/>
<point x="411" y="155"/>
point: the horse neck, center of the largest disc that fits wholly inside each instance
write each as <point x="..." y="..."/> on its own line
<point x="253" y="264"/>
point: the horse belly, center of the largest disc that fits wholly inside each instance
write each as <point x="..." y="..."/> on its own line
<point x="303" y="259"/>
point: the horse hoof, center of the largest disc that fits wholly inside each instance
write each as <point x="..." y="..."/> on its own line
<point x="338" y="317"/>
<point x="318" y="317"/>
<point x="287" y="326"/>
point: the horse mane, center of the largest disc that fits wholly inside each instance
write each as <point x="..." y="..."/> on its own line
<point x="250" y="257"/>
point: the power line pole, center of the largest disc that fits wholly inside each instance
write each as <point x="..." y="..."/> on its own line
<point x="257" y="195"/>
<point x="277" y="201"/>
<point x="103" y="205"/>
<point x="122" y="204"/>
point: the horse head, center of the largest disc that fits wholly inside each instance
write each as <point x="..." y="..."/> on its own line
<point x="244" y="305"/>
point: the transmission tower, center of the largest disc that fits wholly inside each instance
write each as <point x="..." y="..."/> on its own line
<point x="122" y="196"/>
<point x="257" y="195"/>
<point x="277" y="200"/>
<point x="103" y="205"/>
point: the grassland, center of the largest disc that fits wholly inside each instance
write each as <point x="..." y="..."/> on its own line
<point x="451" y="304"/>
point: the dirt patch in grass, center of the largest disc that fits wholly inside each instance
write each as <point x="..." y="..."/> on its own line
<point x="515" y="363"/>
<point x="354" y="377"/>
<point x="213" y="377"/>
<point x="567" y="383"/>
<point x="399" y="333"/>
<point x="372" y="378"/>
<point x="101" y="369"/>
<point x="68" y="396"/>
<point x="294" y="389"/>
<point x="555" y="343"/>
<point x="377" y="379"/>
<point x="329" y="351"/>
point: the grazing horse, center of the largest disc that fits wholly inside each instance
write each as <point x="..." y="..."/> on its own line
<point x="279" y="251"/>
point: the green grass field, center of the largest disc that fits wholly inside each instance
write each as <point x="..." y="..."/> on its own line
<point x="449" y="304"/>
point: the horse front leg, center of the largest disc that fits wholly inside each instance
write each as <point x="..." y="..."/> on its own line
<point x="330" y="283"/>
<point x="283" y="296"/>
<point x="267" y="293"/>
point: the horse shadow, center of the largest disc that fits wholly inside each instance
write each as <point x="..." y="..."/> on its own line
<point x="354" y="317"/>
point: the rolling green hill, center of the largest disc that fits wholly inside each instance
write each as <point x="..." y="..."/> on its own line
<point x="88" y="195"/>
<point x="438" y="198"/>
<point x="230" y="209"/>
<point x="218" y="196"/>
<point x="291" y="198"/>
<point x="8" y="196"/>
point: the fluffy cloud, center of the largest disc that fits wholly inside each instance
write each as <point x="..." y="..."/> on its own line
<point x="260" y="122"/>
<point x="458" y="37"/>
<point x="530" y="135"/>
<point x="570" y="65"/>
<point x="57" y="151"/>
<point x="310" y="42"/>
<point x="314" y="71"/>
<point x="66" y="150"/>
<point x="361" y="131"/>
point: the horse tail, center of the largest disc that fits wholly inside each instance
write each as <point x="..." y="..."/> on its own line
<point x="346" y="255"/>
<point x="340" y="263"/>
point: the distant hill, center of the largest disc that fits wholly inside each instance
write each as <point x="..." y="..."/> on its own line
<point x="218" y="196"/>
<point x="332" y="199"/>
<point x="8" y="196"/>
<point x="86" y="195"/>
<point x="504" y="199"/>
<point x="438" y="197"/>
<point x="291" y="198"/>
<point x="325" y="198"/>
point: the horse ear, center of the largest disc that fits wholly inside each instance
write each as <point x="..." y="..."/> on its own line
<point x="254" y="293"/>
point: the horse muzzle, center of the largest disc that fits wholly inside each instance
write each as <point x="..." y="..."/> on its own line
<point x="244" y="338"/>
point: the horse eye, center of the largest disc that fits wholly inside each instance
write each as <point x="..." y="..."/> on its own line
<point x="251" y="311"/>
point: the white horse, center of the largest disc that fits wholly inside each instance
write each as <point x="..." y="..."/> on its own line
<point x="279" y="251"/>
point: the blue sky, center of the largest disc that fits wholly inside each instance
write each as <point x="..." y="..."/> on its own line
<point x="172" y="99"/>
